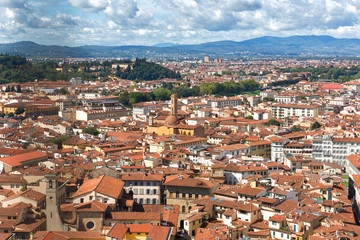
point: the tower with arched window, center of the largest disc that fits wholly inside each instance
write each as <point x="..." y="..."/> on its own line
<point x="54" y="197"/>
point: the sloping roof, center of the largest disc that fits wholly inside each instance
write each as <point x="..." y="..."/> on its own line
<point x="191" y="182"/>
<point x="105" y="185"/>
<point x="118" y="231"/>
<point x="92" y="206"/>
<point x="60" y="235"/>
<point x="30" y="194"/>
<point x="141" y="177"/>
<point x="18" y="160"/>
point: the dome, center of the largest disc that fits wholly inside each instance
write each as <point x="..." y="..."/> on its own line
<point x="171" y="120"/>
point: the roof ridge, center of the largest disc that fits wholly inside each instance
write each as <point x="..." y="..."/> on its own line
<point x="101" y="178"/>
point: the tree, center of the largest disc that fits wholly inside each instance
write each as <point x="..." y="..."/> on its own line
<point x="162" y="94"/>
<point x="315" y="125"/>
<point x="91" y="130"/>
<point x="19" y="111"/>
<point x="63" y="91"/>
<point x="10" y="114"/>
<point x="273" y="122"/>
<point x="296" y="128"/>
<point x="124" y="98"/>
<point x="249" y="117"/>
<point x="18" y="89"/>
<point x="59" y="141"/>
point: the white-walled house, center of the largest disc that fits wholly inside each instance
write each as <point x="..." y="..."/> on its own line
<point x="103" y="189"/>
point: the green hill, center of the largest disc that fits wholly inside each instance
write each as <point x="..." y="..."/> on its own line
<point x="143" y="70"/>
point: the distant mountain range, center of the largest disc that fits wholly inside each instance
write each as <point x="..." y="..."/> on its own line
<point x="294" y="45"/>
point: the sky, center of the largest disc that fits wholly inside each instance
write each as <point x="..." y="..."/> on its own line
<point x="148" y="22"/>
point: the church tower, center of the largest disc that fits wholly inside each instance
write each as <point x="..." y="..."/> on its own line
<point x="53" y="200"/>
<point x="173" y="119"/>
<point x="174" y="98"/>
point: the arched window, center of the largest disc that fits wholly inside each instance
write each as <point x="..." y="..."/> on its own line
<point x="50" y="184"/>
<point x="183" y="209"/>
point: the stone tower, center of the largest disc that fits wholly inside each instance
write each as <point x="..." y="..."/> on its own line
<point x="53" y="201"/>
<point x="172" y="118"/>
<point x="174" y="98"/>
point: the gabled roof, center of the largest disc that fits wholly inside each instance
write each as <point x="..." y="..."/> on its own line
<point x="92" y="206"/>
<point x="30" y="194"/>
<point x="18" y="160"/>
<point x="105" y="185"/>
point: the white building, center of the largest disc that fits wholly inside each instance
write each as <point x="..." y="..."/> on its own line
<point x="222" y="102"/>
<point x="335" y="150"/>
<point x="299" y="110"/>
<point x="287" y="98"/>
<point x="144" y="187"/>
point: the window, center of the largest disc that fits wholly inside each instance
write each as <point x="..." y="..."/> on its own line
<point x="154" y="201"/>
<point x="12" y="185"/>
<point x="190" y="195"/>
<point x="17" y="185"/>
<point x="183" y="195"/>
<point x="154" y="192"/>
<point x="105" y="200"/>
<point x="91" y="198"/>
<point x="90" y="225"/>
<point x="147" y="191"/>
<point x="81" y="200"/>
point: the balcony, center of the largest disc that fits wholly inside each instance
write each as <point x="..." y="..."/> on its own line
<point x="285" y="228"/>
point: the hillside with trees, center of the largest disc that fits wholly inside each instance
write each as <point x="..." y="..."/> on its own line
<point x="144" y="70"/>
<point x="18" y="69"/>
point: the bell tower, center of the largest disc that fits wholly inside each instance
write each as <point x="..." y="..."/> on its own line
<point x="53" y="201"/>
<point x="174" y="98"/>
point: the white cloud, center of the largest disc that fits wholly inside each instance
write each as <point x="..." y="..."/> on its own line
<point x="90" y="5"/>
<point x="116" y="22"/>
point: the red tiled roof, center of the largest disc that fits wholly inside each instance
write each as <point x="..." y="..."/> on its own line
<point x="105" y="185"/>
<point x="278" y="218"/>
<point x="18" y="160"/>
<point x="92" y="206"/>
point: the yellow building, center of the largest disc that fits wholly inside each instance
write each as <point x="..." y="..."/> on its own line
<point x="11" y="108"/>
<point x="260" y="148"/>
<point x="179" y="129"/>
